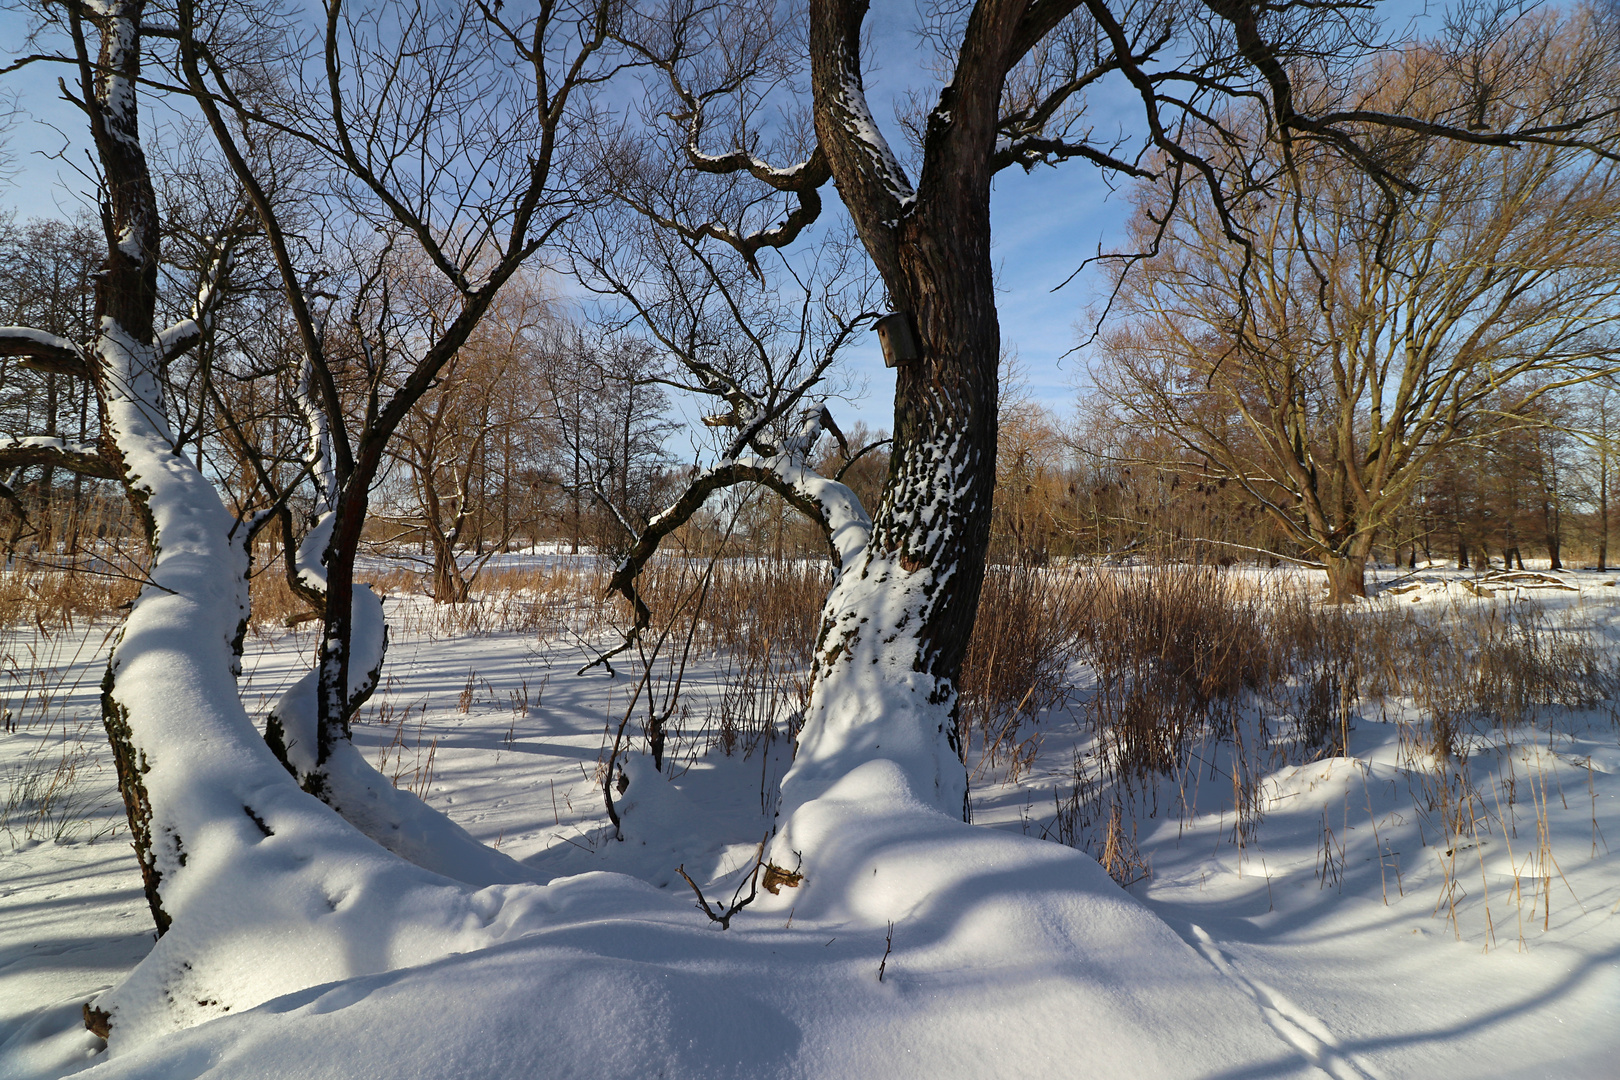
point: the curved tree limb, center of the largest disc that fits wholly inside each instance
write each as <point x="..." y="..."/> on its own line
<point x="43" y="352"/>
<point x="86" y="459"/>
<point x="832" y="506"/>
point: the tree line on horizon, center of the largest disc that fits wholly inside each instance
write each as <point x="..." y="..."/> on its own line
<point x="538" y="435"/>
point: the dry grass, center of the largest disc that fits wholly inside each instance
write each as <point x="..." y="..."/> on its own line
<point x="1032" y="623"/>
<point x="543" y="601"/>
<point x="63" y="594"/>
<point x="754" y="622"/>
<point x="748" y="606"/>
<point x="1177" y="675"/>
<point x="1197" y="670"/>
<point x="1172" y="648"/>
<point x="57" y="787"/>
<point x="272" y="605"/>
<point x="53" y="790"/>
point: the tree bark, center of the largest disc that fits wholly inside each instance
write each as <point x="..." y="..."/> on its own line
<point x="1550" y="522"/>
<point x="1347" y="578"/>
<point x="1603" y="489"/>
<point x="125" y="304"/>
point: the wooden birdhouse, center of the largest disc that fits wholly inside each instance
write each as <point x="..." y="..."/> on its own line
<point x="898" y="339"/>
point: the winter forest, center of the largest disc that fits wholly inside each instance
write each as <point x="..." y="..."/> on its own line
<point x="1009" y="538"/>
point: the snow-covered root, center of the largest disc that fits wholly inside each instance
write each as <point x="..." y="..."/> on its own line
<point x="396" y="819"/>
<point x="663" y="829"/>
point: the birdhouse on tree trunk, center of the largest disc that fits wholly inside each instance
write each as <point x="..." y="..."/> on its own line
<point x="898" y="339"/>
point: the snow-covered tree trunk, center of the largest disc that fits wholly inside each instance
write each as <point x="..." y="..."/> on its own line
<point x="186" y="527"/>
<point x="896" y="626"/>
<point x="342" y="778"/>
<point x="256" y="888"/>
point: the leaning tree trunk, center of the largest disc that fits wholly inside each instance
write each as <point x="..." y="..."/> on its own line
<point x="256" y="889"/>
<point x="123" y="366"/>
<point x="344" y="780"/>
<point x="895" y="628"/>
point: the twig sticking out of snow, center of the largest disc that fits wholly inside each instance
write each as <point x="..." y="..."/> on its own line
<point x="736" y="905"/>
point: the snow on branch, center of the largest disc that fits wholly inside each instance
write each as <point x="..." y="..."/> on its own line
<point x="83" y="458"/>
<point x="833" y="506"/>
<point x="746" y="244"/>
<point x="176" y="339"/>
<point x="802" y="180"/>
<point x="183" y="335"/>
<point x="807" y="175"/>
<point x="320" y="459"/>
<point x="848" y="104"/>
<point x="1035" y="149"/>
<point x="43" y="352"/>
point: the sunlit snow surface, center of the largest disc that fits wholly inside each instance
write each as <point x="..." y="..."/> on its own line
<point x="1008" y="955"/>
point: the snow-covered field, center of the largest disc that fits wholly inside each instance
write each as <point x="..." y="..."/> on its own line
<point x="1385" y="913"/>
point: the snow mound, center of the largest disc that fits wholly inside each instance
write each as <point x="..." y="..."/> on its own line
<point x="999" y="956"/>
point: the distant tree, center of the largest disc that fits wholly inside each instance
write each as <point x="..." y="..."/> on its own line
<point x="47" y="282"/>
<point x="1372" y="321"/>
<point x="1030" y="479"/>
<point x="1599" y="427"/>
<point x="483" y="421"/>
<point x="611" y="418"/>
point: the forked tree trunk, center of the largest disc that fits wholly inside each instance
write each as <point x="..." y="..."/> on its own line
<point x="448" y="584"/>
<point x="1347" y="570"/>
<point x="256" y="889"/>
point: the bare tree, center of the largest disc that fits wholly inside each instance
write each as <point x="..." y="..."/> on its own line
<point x="750" y="341"/>
<point x="48" y="284"/>
<point x="410" y="110"/>
<point x="610" y="416"/>
<point x="1325" y="368"/>
<point x="204" y="793"/>
<point x="489" y="398"/>
<point x="1015" y="79"/>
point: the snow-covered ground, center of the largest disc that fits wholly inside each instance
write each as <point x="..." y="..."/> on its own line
<point x="1385" y="916"/>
